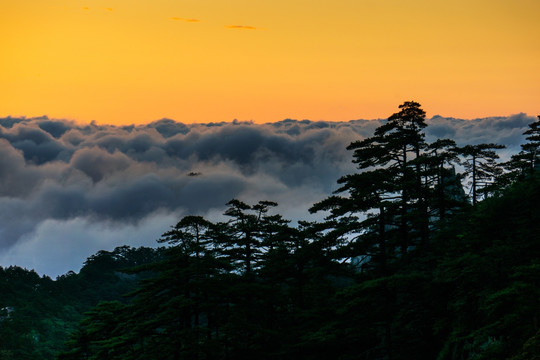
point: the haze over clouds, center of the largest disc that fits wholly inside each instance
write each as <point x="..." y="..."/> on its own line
<point x="69" y="190"/>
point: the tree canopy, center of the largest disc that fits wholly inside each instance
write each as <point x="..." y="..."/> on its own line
<point x="427" y="251"/>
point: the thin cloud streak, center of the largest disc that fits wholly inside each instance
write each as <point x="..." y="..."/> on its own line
<point x="241" y="27"/>
<point x="185" y="20"/>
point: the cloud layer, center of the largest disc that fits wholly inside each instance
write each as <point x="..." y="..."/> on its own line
<point x="68" y="190"/>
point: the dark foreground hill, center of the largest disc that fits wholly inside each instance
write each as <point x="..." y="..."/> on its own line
<point x="37" y="313"/>
<point x="472" y="294"/>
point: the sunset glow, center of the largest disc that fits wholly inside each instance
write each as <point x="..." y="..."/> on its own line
<point x="123" y="62"/>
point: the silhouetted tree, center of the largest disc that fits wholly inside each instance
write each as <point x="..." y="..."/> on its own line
<point x="400" y="269"/>
<point x="244" y="235"/>
<point x="386" y="202"/>
<point x="480" y="162"/>
<point x="528" y="159"/>
<point x="441" y="180"/>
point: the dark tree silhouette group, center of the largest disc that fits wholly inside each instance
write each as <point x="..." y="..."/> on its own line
<point x="428" y="251"/>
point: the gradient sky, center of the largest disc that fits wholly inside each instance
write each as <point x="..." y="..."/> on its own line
<point x="134" y="61"/>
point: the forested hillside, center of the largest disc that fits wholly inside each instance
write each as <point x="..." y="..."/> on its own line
<point x="428" y="251"/>
<point x="37" y="313"/>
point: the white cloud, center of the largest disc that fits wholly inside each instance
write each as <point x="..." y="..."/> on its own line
<point x="55" y="247"/>
<point x="67" y="191"/>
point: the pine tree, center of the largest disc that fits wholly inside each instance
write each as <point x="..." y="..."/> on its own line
<point x="245" y="232"/>
<point x="527" y="160"/>
<point x="385" y="207"/>
<point x="480" y="162"/>
<point x="441" y="180"/>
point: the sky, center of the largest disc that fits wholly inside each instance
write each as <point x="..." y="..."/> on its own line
<point x="198" y="61"/>
<point x="69" y="190"/>
<point x="107" y="106"/>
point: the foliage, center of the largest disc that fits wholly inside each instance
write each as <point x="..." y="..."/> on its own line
<point x="37" y="313"/>
<point x="405" y="266"/>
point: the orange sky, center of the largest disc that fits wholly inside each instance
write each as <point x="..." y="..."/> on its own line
<point x="135" y="61"/>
